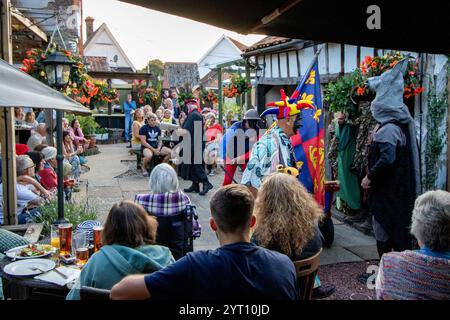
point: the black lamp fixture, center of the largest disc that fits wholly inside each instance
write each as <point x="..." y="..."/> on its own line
<point x="58" y="67"/>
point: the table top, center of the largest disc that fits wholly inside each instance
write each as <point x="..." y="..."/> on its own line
<point x="28" y="281"/>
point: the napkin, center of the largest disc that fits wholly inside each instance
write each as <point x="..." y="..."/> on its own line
<point x="53" y="277"/>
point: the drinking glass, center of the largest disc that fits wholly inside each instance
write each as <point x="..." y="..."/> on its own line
<point x="54" y="234"/>
<point x="81" y="246"/>
<point x="97" y="237"/>
<point x="65" y="238"/>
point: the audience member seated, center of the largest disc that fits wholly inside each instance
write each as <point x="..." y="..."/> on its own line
<point x="288" y="218"/>
<point x="29" y="177"/>
<point x="167" y="117"/>
<point x="422" y="274"/>
<point x="19" y="116"/>
<point x="47" y="175"/>
<point x="151" y="144"/>
<point x="72" y="156"/>
<point x="213" y="132"/>
<point x="77" y="135"/>
<point x="38" y="136"/>
<point x="166" y="199"/>
<point x="138" y="122"/>
<point x="237" y="270"/>
<point x="40" y="147"/>
<point x="28" y="199"/>
<point x="128" y="248"/>
<point x="30" y="119"/>
<point x="21" y="149"/>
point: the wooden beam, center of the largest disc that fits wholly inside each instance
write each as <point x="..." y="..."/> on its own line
<point x="28" y="24"/>
<point x="7" y="132"/>
<point x="121" y="75"/>
<point x="220" y="98"/>
<point x="249" y="93"/>
<point x="448" y="135"/>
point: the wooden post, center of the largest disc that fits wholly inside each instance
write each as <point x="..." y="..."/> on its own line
<point x="50" y="123"/>
<point x="7" y="132"/>
<point x="448" y="134"/>
<point x="220" y="98"/>
<point x="249" y="92"/>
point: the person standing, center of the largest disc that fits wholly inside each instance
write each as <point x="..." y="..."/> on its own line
<point x="393" y="178"/>
<point x="128" y="106"/>
<point x="194" y="170"/>
<point x="349" y="192"/>
<point x="176" y="106"/>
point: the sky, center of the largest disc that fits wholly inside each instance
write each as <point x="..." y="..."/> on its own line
<point x="146" y="34"/>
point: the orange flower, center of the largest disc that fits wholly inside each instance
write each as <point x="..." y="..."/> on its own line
<point x="368" y="60"/>
<point x="360" y="91"/>
<point x="373" y="64"/>
<point x="393" y="64"/>
<point x="83" y="99"/>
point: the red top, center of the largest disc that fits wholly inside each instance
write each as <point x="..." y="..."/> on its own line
<point x="48" y="179"/>
<point x="213" y="132"/>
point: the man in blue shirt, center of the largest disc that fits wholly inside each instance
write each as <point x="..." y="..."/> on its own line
<point x="128" y="106"/>
<point x="236" y="270"/>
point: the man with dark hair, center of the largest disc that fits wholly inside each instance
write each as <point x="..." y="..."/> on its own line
<point x="236" y="270"/>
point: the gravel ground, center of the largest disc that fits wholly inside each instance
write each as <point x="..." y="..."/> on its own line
<point x="345" y="277"/>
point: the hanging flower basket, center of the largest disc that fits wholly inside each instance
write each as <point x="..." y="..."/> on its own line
<point x="237" y="86"/>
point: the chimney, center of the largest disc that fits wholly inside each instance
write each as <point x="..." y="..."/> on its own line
<point x="89" y="27"/>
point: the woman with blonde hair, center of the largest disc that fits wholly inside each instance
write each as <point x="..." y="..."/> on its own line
<point x="287" y="217"/>
<point x="138" y="122"/>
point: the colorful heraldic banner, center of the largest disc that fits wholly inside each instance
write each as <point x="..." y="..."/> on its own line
<point x="308" y="143"/>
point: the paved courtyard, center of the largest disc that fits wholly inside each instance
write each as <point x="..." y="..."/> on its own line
<point x="113" y="177"/>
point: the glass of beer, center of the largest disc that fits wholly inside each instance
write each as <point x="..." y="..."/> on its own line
<point x="65" y="238"/>
<point x="97" y="237"/>
<point x="81" y="246"/>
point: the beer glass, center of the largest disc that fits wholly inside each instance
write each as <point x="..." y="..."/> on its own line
<point x="54" y="237"/>
<point x="65" y="238"/>
<point x="97" y="237"/>
<point x="81" y="246"/>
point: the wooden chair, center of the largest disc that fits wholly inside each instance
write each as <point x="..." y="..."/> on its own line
<point x="306" y="275"/>
<point x="89" y="293"/>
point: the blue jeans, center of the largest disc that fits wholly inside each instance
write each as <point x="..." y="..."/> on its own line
<point x="28" y="216"/>
<point x="128" y="119"/>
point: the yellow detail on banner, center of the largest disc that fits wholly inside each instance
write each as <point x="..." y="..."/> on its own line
<point x="317" y="115"/>
<point x="312" y="78"/>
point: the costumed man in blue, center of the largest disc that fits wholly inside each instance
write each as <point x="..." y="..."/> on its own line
<point x="128" y="107"/>
<point x="274" y="147"/>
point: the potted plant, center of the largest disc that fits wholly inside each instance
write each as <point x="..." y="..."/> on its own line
<point x="101" y="134"/>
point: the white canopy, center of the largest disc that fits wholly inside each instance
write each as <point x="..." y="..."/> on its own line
<point x="18" y="89"/>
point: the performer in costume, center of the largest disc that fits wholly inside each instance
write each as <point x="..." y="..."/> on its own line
<point x="274" y="147"/>
<point x="193" y="171"/>
<point x="393" y="178"/>
<point x="236" y="144"/>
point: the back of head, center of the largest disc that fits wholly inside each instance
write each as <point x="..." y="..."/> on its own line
<point x="128" y="224"/>
<point x="36" y="156"/>
<point x="431" y="220"/>
<point x="49" y="153"/>
<point x="286" y="212"/>
<point x="232" y="208"/>
<point x="163" y="179"/>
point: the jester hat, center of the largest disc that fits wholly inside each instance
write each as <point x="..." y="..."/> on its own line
<point x="287" y="106"/>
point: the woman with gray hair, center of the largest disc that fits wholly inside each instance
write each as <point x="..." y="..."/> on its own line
<point x="169" y="204"/>
<point x="424" y="273"/>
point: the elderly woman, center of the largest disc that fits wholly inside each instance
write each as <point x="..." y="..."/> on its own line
<point x="165" y="200"/>
<point x="424" y="273"/>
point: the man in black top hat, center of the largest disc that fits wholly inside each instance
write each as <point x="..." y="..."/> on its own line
<point x="193" y="168"/>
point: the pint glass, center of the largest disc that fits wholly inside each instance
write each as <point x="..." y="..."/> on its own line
<point x="65" y="238"/>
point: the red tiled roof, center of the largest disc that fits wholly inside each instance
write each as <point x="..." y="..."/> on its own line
<point x="97" y="63"/>
<point x="267" y="42"/>
<point x="238" y="44"/>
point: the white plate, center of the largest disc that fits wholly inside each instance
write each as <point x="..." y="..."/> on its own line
<point x="14" y="253"/>
<point x="25" y="267"/>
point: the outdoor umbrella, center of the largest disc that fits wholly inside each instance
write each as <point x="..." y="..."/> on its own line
<point x="403" y="25"/>
<point x="19" y="89"/>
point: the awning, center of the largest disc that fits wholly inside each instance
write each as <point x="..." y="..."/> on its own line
<point x="404" y="25"/>
<point x="18" y="89"/>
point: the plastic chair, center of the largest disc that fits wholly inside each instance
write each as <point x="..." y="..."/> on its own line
<point x="306" y="274"/>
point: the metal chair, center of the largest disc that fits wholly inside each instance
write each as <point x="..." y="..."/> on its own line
<point x="89" y="293"/>
<point x="306" y="274"/>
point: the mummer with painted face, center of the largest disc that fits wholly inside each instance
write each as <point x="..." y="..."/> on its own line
<point x="274" y="147"/>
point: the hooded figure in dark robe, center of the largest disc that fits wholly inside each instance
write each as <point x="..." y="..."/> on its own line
<point x="393" y="179"/>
